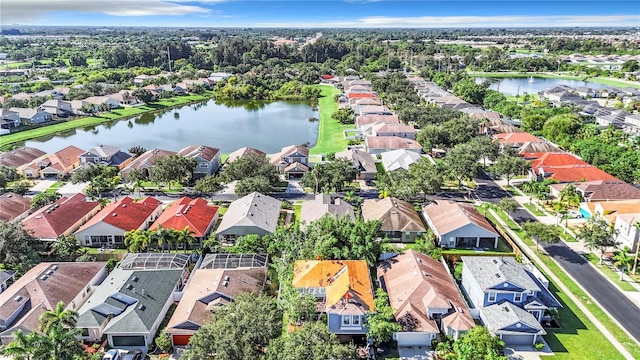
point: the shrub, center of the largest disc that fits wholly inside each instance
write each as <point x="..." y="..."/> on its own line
<point x="163" y="341"/>
<point x="539" y="345"/>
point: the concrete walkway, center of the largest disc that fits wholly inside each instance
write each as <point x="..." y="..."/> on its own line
<point x="534" y="257"/>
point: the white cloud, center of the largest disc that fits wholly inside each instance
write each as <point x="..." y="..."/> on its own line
<point x="472" y="22"/>
<point x="15" y="11"/>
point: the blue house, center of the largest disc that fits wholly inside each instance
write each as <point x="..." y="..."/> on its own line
<point x="343" y="291"/>
<point x="495" y="283"/>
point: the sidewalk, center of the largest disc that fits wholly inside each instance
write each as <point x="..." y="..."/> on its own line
<point x="534" y="257"/>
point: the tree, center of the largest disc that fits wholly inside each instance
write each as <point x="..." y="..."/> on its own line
<point x="58" y="317"/>
<point x="462" y="163"/>
<point x="635" y="258"/>
<point x="101" y="178"/>
<point x="17" y="247"/>
<point x="21" y="187"/>
<point x="312" y="341"/>
<point x="137" y="151"/>
<point x="163" y="341"/>
<point x="479" y="344"/>
<point x="344" y="115"/>
<point x="427" y="244"/>
<point x="208" y="184"/>
<point x="143" y="95"/>
<point x="137" y="240"/>
<point x="533" y="122"/>
<point x="622" y="260"/>
<point x="425" y="178"/>
<point x="249" y="244"/>
<point x="172" y="168"/>
<point x="597" y="234"/>
<point x="509" y="165"/>
<point x="43" y="199"/>
<point x="60" y="343"/>
<point x="507" y="204"/>
<point x="541" y="232"/>
<point x="25" y="346"/>
<point x="560" y="127"/>
<point x="381" y="324"/>
<point x="570" y="195"/>
<point x="485" y="148"/>
<point x="259" y="183"/>
<point x="329" y="176"/>
<point x="185" y="237"/>
<point x="253" y="173"/>
<point x="238" y="331"/>
<point x="66" y="248"/>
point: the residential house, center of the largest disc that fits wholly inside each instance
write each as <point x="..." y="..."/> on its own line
<point x="99" y="100"/>
<point x="7" y="277"/>
<point x="14" y="207"/>
<point x="362" y="110"/>
<point x="140" y="79"/>
<point x="399" y="159"/>
<point x="61" y="163"/>
<point x="362" y="161"/>
<point x="207" y="159"/>
<point x="626" y="232"/>
<point x="145" y="161"/>
<point x="364" y="120"/>
<point x="58" y="108"/>
<point x="107" y="228"/>
<point x="195" y="214"/>
<point x="128" y="307"/>
<point x="615" y="118"/>
<point x="291" y="160"/>
<point x="41" y="288"/>
<point x="218" y="76"/>
<point x="9" y="119"/>
<point x="32" y="116"/>
<point x="632" y="120"/>
<point x="400" y="221"/>
<point x="528" y="148"/>
<point x="21" y="156"/>
<point x="61" y="218"/>
<point x="252" y="214"/>
<point x="495" y="282"/>
<point x="217" y="282"/>
<point x="565" y="167"/>
<point x="424" y="297"/>
<point x="243" y="152"/>
<point x="342" y="289"/>
<point x="363" y="99"/>
<point x="124" y="98"/>
<point x="600" y="190"/>
<point x="586" y="92"/>
<point x="458" y="224"/>
<point x="383" y="129"/>
<point x="79" y="107"/>
<point x="515" y="140"/>
<point x="379" y="144"/>
<point x="106" y="155"/>
<point x="322" y="205"/>
<point x="609" y="209"/>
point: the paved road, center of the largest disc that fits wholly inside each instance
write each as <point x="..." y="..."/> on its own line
<point x="607" y="295"/>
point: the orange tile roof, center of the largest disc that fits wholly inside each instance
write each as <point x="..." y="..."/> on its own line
<point x="361" y="95"/>
<point x="557" y="159"/>
<point x="125" y="214"/>
<point x="54" y="220"/>
<point x="344" y="280"/>
<point x="186" y="212"/>
<point x="565" y="167"/>
<point x="516" y="138"/>
<point x="67" y="156"/>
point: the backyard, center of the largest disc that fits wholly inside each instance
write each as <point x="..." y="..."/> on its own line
<point x="330" y="136"/>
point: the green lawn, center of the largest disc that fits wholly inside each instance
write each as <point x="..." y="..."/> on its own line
<point x="569" y="342"/>
<point x="297" y="212"/>
<point x="608" y="272"/>
<point x="533" y="209"/>
<point x="330" y="136"/>
<point x="115" y="114"/>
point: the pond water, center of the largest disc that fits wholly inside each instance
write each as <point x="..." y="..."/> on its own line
<point x="265" y="126"/>
<point x="518" y="86"/>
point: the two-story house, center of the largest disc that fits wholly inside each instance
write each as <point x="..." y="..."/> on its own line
<point x="106" y="155"/>
<point x="9" y="119"/>
<point x="291" y="160"/>
<point x="207" y="159"/>
<point x="343" y="291"/>
<point x="514" y="291"/>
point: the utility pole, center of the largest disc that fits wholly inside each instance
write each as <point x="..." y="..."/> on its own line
<point x="169" y="56"/>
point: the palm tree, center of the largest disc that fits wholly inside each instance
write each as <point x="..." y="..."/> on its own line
<point x="164" y="236"/>
<point x="635" y="258"/>
<point x="24" y="347"/>
<point x="57" y="317"/>
<point x="136" y="240"/>
<point x="62" y="344"/>
<point x="185" y="236"/>
<point x="622" y="260"/>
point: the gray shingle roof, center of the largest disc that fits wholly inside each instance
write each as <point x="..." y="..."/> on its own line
<point x="492" y="271"/>
<point x="255" y="210"/>
<point x="500" y="316"/>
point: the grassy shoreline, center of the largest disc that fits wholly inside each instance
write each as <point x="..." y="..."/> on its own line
<point x="116" y="114"/>
<point x="330" y="137"/>
<point x="600" y="80"/>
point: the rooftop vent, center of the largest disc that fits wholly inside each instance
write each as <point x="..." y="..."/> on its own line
<point x="226" y="278"/>
<point x="135" y="278"/>
<point x="17" y="298"/>
<point x="495" y="261"/>
<point x="141" y="307"/>
<point x="124" y="205"/>
<point x="50" y="272"/>
<point x="114" y="214"/>
<point x="498" y="276"/>
<point x="43" y="277"/>
<point x="54" y="267"/>
<point x="129" y="287"/>
<point x="225" y="284"/>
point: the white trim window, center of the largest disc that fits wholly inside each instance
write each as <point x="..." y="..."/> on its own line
<point x="517" y="297"/>
<point x="492" y="296"/>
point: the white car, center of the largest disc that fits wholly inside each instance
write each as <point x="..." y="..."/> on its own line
<point x="112" y="354"/>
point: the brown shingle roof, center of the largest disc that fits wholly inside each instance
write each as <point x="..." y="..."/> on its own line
<point x="13" y="205"/>
<point x="447" y="216"/>
<point x="205" y="152"/>
<point x="244" y="151"/>
<point x="21" y="156"/>
<point x="58" y="218"/>
<point x="66" y="157"/>
<point x="372" y="119"/>
<point x="146" y="160"/>
<point x="395" y="214"/>
<point x="391" y="142"/>
<point x="603" y="190"/>
<point x="417" y="284"/>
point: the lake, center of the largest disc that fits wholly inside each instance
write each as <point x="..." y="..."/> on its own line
<point x="267" y="126"/>
<point x="515" y="86"/>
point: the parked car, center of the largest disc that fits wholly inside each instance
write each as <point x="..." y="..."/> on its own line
<point x="112" y="354"/>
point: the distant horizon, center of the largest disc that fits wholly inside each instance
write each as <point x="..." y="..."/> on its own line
<point x="330" y="14"/>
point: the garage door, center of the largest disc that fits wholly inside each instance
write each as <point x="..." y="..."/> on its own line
<point x="518" y="339"/>
<point x="414" y="339"/>
<point x="121" y="341"/>
<point x="181" y="340"/>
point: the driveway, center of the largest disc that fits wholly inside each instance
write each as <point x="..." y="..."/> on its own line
<point x="41" y="186"/>
<point x="72" y="189"/>
<point x="414" y="353"/>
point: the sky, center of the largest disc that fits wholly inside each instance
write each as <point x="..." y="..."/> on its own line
<point x="323" y="14"/>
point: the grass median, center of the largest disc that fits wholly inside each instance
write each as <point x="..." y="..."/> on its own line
<point x="116" y="114"/>
<point x="570" y="341"/>
<point x="330" y="131"/>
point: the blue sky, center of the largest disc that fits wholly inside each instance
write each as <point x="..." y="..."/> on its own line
<point x="328" y="13"/>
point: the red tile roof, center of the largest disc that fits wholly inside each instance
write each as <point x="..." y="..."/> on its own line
<point x="565" y="167"/>
<point x="125" y="214"/>
<point x="516" y="138"/>
<point x="361" y="95"/>
<point x="186" y="212"/>
<point x="54" y="220"/>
